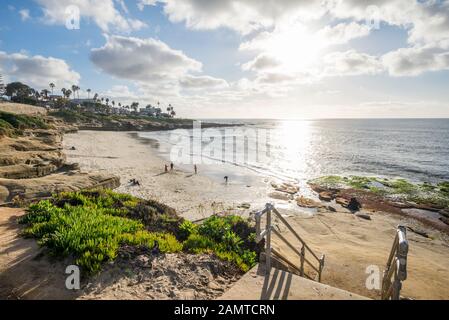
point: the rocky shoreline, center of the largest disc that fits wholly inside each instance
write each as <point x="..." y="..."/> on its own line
<point x="426" y="203"/>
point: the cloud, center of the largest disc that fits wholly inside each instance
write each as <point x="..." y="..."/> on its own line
<point x="242" y="16"/>
<point x="415" y="61"/>
<point x="38" y="71"/>
<point x="143" y="60"/>
<point x="426" y="21"/>
<point x="102" y="12"/>
<point x="201" y="82"/>
<point x="343" y="32"/>
<point x="24" y="14"/>
<point x="262" y="62"/>
<point x="351" y="63"/>
<point x="142" y="3"/>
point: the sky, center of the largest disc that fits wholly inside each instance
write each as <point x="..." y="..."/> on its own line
<point x="285" y="59"/>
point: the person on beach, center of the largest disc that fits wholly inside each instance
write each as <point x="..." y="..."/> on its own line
<point x="166" y="168"/>
<point x="226" y="179"/>
<point x="195" y="168"/>
<point x="171" y="166"/>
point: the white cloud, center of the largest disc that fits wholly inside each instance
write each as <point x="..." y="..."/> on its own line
<point x="262" y="62"/>
<point x="158" y="71"/>
<point x="142" y="3"/>
<point x="343" y="32"/>
<point x="415" y="61"/>
<point x="38" y="71"/>
<point x="242" y="16"/>
<point x="351" y="63"/>
<point x="24" y="14"/>
<point x="201" y="82"/>
<point x="426" y="21"/>
<point x="102" y="12"/>
<point x="143" y="60"/>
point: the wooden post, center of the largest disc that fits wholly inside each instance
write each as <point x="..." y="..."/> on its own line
<point x="321" y="268"/>
<point x="303" y="255"/>
<point x="396" y="283"/>
<point x="268" y="244"/>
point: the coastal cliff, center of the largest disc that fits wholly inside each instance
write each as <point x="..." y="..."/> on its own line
<point x="32" y="163"/>
<point x="107" y="122"/>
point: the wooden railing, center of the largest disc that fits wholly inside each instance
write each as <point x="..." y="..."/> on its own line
<point x="396" y="269"/>
<point x="267" y="233"/>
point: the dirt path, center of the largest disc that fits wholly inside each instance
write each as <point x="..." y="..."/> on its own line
<point x="24" y="272"/>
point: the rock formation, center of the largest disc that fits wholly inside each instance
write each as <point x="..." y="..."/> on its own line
<point x="33" y="166"/>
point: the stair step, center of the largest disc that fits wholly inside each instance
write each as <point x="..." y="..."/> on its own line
<point x="283" y="285"/>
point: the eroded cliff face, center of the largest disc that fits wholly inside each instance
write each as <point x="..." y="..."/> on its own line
<point x="33" y="166"/>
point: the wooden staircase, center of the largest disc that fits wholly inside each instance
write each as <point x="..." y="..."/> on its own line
<point x="277" y="277"/>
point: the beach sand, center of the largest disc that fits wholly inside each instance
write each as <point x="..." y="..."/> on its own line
<point x="351" y="244"/>
<point x="193" y="196"/>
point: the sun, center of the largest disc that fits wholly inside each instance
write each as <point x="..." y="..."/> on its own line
<point x="295" y="47"/>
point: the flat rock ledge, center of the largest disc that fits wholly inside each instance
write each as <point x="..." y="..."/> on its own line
<point x="13" y="190"/>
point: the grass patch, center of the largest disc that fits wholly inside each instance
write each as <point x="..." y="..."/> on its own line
<point x="14" y="124"/>
<point x="92" y="226"/>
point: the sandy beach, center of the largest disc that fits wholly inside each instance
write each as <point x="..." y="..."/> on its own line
<point x="351" y="244"/>
<point x="193" y="196"/>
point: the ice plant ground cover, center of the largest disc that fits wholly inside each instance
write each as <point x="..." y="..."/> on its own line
<point x="92" y="226"/>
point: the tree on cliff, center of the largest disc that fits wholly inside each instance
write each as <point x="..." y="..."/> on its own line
<point x="52" y="86"/>
<point x="135" y="106"/>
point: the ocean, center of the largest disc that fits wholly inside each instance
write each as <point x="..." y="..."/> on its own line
<point x="299" y="150"/>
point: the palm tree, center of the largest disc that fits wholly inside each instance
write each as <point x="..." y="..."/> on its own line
<point x="88" y="93"/>
<point x="52" y="86"/>
<point x="45" y="93"/>
<point x="64" y="91"/>
<point x="119" y="105"/>
<point x="135" y="106"/>
<point x="107" y="101"/>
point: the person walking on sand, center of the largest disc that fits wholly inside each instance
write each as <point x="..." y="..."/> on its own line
<point x="171" y="166"/>
<point x="226" y="179"/>
<point x="166" y="168"/>
<point x="195" y="168"/>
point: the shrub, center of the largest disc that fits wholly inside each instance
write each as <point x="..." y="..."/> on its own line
<point x="229" y="238"/>
<point x="91" y="226"/>
<point x="197" y="244"/>
<point x="186" y="228"/>
<point x="86" y="226"/>
<point x="14" y="124"/>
